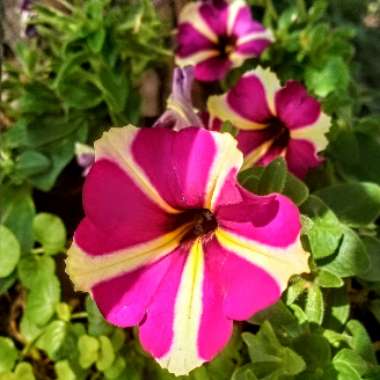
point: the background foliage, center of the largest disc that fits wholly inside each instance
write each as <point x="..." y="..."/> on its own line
<point x="80" y="74"/>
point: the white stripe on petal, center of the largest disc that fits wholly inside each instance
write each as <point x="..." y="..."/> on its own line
<point x="183" y="355"/>
<point x="315" y="133"/>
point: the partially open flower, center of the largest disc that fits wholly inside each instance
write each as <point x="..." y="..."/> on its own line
<point x="274" y="121"/>
<point x="180" y="112"/>
<point x="170" y="242"/>
<point x="216" y="36"/>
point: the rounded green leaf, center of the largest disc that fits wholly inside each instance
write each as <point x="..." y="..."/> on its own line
<point x="8" y="354"/>
<point x="88" y="347"/>
<point x="64" y="371"/>
<point x="273" y="178"/>
<point x="50" y="231"/>
<point x="106" y="354"/>
<point x="9" y="251"/>
<point x="315" y="307"/>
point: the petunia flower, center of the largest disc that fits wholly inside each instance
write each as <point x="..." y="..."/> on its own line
<point x="171" y="243"/>
<point x="274" y="121"/>
<point x="216" y="36"/>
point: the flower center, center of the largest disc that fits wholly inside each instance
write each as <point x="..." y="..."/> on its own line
<point x="202" y="221"/>
<point x="226" y="45"/>
<point x="279" y="131"/>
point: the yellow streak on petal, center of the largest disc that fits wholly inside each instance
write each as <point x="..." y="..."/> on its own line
<point x="315" y="132"/>
<point x="190" y="13"/>
<point x="265" y="34"/>
<point x="183" y="354"/>
<point x="85" y="270"/>
<point x="281" y="263"/>
<point x="233" y="10"/>
<point x="115" y="145"/>
<point x="270" y="83"/>
<point x="227" y="157"/>
<point x="218" y="107"/>
<point x="195" y="58"/>
<point x="251" y="158"/>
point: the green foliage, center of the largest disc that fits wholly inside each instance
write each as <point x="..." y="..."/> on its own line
<point x="80" y="76"/>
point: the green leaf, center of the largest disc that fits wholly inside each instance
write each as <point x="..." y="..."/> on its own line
<point x="97" y="325"/>
<point x="17" y="212"/>
<point x="31" y="162"/>
<point x="106" y="354"/>
<point x="88" y="350"/>
<point x="52" y="338"/>
<point x="244" y="373"/>
<point x="29" y="330"/>
<point x="273" y="178"/>
<point x="373" y="249"/>
<point x="351" y="258"/>
<point x="374" y="306"/>
<point x="50" y="231"/>
<point x="95" y="40"/>
<point x="351" y="358"/>
<point x="361" y="342"/>
<point x="339" y="310"/>
<point x="356" y="204"/>
<point x="326" y="232"/>
<point x="116" y="369"/>
<point x="43" y="299"/>
<point x="326" y="279"/>
<point x="32" y="267"/>
<point x="9" y="251"/>
<point x="24" y="371"/>
<point x="295" y="189"/>
<point x="64" y="371"/>
<point x="315" y="307"/>
<point x="266" y="351"/>
<point x="333" y="75"/>
<point x="63" y="311"/>
<point x="8" y="354"/>
<point x="314" y="349"/>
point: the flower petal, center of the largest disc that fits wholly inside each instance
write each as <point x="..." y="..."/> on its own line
<point x="170" y="331"/>
<point x="247" y="105"/>
<point x="190" y="14"/>
<point x="186" y="167"/>
<point x="215" y="16"/>
<point x="191" y="41"/>
<point x="240" y="21"/>
<point x="247" y="289"/>
<point x="265" y="232"/>
<point x="86" y="270"/>
<point x="315" y="133"/>
<point x="295" y="107"/>
<point x="124" y="300"/>
<point x="212" y="68"/>
<point x="301" y="156"/>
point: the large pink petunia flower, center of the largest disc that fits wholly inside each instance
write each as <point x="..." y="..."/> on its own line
<point x="171" y="243"/>
<point x="274" y="121"/>
<point x="216" y="36"/>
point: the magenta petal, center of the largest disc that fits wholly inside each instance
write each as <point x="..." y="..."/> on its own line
<point x="272" y="220"/>
<point x="248" y="289"/>
<point x="295" y="107"/>
<point x="248" y="99"/>
<point x="215" y="16"/>
<point x="124" y="300"/>
<point x="212" y="69"/>
<point x="245" y="24"/>
<point x="250" y="140"/>
<point x="177" y="164"/>
<point x="119" y="214"/>
<point x="215" y="328"/>
<point x="271" y="154"/>
<point x="156" y="331"/>
<point x="190" y="41"/>
<point x="301" y="156"/>
<point x="254" y="47"/>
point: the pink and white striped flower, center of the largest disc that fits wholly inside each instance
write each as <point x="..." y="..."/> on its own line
<point x="274" y="121"/>
<point x="216" y="36"/>
<point x="171" y="243"/>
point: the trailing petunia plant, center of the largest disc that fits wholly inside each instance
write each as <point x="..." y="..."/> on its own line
<point x="232" y="236"/>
